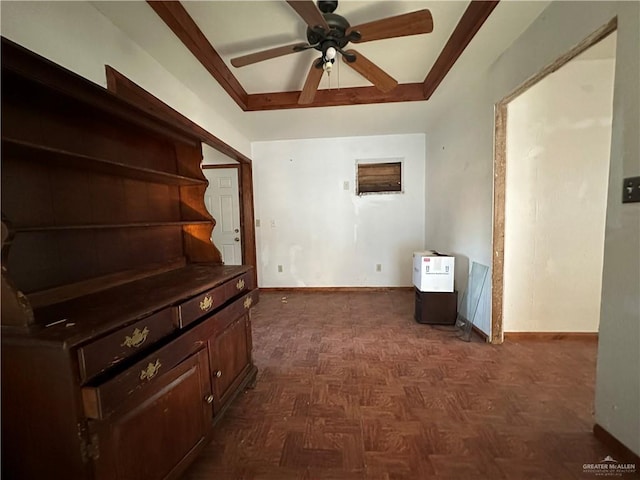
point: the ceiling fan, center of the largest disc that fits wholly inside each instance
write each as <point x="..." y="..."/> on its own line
<point x="330" y="33"/>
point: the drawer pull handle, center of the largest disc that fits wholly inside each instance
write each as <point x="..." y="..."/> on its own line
<point x="151" y="370"/>
<point x="247" y="303"/>
<point x="209" y="399"/>
<point x="218" y="374"/>
<point x="207" y="303"/>
<point x="240" y="284"/>
<point x="136" y="339"/>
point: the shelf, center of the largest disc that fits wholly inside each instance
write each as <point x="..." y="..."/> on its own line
<point x="49" y="228"/>
<point x="19" y="148"/>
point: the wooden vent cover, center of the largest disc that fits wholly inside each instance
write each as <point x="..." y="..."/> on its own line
<point x="379" y="177"/>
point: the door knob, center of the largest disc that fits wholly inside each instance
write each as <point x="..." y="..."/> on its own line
<point x="218" y="374"/>
<point x="237" y="230"/>
<point x="209" y="398"/>
<point x="237" y="239"/>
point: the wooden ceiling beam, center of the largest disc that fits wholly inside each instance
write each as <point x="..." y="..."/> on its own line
<point x="407" y="92"/>
<point x="472" y="19"/>
<point x="186" y="29"/>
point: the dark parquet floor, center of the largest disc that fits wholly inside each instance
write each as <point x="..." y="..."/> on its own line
<point x="350" y="387"/>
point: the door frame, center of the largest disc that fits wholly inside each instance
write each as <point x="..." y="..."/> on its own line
<point x="499" y="173"/>
<point x="124" y="88"/>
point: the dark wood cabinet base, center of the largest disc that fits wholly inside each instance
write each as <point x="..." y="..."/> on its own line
<point x="438" y="308"/>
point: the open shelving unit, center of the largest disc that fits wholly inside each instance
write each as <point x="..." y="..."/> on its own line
<point x="92" y="187"/>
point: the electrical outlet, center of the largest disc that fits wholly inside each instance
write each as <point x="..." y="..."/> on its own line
<point x="345" y="185"/>
<point x="279" y="268"/>
<point x="378" y="267"/>
<point x="631" y="190"/>
<point x="257" y="222"/>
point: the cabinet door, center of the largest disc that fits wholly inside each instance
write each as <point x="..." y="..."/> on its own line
<point x="156" y="431"/>
<point x="230" y="353"/>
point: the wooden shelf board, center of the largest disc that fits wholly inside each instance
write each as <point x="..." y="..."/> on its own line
<point x="49" y="228"/>
<point x="22" y="148"/>
<point x="93" y="285"/>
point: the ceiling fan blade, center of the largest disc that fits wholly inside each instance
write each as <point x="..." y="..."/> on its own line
<point x="413" y="23"/>
<point x="311" y="84"/>
<point x="267" y="54"/>
<point x="369" y="70"/>
<point x="309" y="13"/>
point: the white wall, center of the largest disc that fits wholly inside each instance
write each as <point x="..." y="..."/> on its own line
<point x="78" y="37"/>
<point x="558" y="143"/>
<point x="458" y="184"/>
<point x="211" y="156"/>
<point x="466" y="133"/>
<point x="324" y="235"/>
<point x="459" y="196"/>
<point x="618" y="373"/>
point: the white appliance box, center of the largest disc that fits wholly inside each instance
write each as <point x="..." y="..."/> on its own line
<point x="433" y="271"/>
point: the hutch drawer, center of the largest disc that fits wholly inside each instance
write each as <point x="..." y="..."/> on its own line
<point x="102" y="400"/>
<point x="107" y="352"/>
<point x="221" y="320"/>
<point x="199" y="306"/>
<point x="238" y="285"/>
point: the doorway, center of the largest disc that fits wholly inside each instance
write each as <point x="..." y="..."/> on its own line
<point x="222" y="199"/>
<point x="545" y="208"/>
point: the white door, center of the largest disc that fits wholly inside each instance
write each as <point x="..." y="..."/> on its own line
<point x="223" y="202"/>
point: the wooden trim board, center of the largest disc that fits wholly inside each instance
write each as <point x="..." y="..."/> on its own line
<point x="332" y="289"/>
<point x="525" y="336"/>
<point x="625" y="454"/>
<point x="472" y="19"/>
<point x="174" y="15"/>
<point x="499" y="202"/>
<point x="221" y="165"/>
<point x="480" y="333"/>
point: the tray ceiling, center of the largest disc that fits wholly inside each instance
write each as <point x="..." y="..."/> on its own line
<point x="271" y="92"/>
<point x="215" y="32"/>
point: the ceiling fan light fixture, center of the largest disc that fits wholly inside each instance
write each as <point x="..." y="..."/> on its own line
<point x="330" y="54"/>
<point x="327" y="6"/>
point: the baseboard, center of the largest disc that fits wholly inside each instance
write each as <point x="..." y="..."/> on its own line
<point x="624" y="453"/>
<point x="480" y="333"/>
<point x="582" y="336"/>
<point x="332" y="289"/>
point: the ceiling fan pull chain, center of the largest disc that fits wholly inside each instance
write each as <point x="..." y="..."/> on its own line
<point x="327" y="67"/>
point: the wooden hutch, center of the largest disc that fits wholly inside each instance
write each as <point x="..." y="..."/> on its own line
<point x="124" y="337"/>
